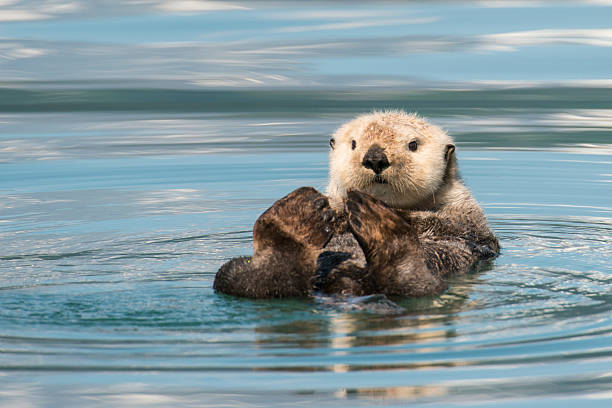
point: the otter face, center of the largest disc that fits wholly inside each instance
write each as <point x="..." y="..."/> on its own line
<point x="398" y="158"/>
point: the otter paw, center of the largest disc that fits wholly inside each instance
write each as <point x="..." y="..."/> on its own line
<point x="303" y="217"/>
<point x="372" y="222"/>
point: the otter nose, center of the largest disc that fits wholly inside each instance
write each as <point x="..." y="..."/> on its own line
<point x="375" y="159"/>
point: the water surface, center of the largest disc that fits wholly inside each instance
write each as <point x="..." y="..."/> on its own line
<point x="114" y="224"/>
<point x="121" y="197"/>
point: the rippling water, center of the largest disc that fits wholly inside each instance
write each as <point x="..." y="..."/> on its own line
<point x="114" y="224"/>
<point x="121" y="197"/>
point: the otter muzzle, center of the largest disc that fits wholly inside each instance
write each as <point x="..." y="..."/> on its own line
<point x="375" y="159"/>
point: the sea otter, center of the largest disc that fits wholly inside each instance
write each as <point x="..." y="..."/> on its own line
<point x="396" y="220"/>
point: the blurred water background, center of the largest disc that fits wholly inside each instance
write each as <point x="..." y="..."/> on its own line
<point x="140" y="140"/>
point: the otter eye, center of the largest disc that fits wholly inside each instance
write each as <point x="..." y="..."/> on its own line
<point x="413" y="145"/>
<point x="332" y="142"/>
<point x="353" y="145"/>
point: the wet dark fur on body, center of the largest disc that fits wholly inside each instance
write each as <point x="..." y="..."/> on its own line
<point x="371" y="248"/>
<point x="351" y="242"/>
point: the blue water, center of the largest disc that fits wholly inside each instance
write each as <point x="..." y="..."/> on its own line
<point x="121" y="197"/>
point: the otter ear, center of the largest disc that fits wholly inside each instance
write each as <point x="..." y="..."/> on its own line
<point x="450" y="150"/>
<point x="332" y="143"/>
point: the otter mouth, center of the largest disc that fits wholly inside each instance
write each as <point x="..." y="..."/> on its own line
<point x="379" y="180"/>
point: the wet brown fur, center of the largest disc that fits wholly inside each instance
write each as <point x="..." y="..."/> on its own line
<point x="406" y="247"/>
<point x="287" y="239"/>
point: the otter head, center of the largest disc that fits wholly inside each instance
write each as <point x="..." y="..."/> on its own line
<point x="397" y="157"/>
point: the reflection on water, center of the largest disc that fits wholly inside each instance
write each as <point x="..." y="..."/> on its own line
<point x="217" y="44"/>
<point x="120" y="198"/>
<point x="62" y="135"/>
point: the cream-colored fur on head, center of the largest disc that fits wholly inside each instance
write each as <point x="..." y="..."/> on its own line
<point x="412" y="178"/>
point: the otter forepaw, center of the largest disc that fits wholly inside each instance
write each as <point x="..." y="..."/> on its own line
<point x="372" y="222"/>
<point x="391" y="247"/>
<point x="303" y="216"/>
